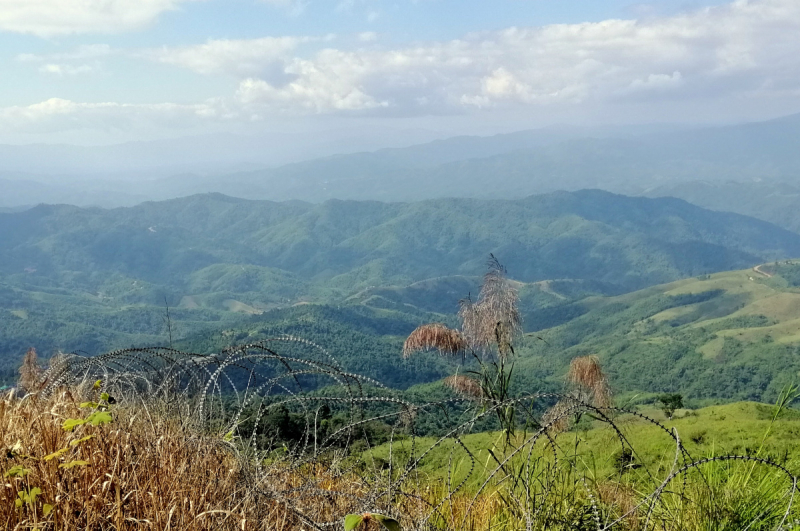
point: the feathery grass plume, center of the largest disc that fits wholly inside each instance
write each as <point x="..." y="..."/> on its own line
<point x="434" y="336"/>
<point x="557" y="418"/>
<point x="464" y="385"/>
<point x="586" y="374"/>
<point x="494" y="318"/>
<point x="30" y="371"/>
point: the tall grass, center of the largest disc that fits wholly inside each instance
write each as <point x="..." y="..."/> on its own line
<point x="160" y="439"/>
<point x="139" y="471"/>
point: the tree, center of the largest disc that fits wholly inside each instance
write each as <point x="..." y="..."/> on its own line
<point x="670" y="402"/>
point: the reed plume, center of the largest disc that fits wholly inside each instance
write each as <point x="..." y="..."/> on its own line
<point x="586" y="383"/>
<point x="586" y="374"/>
<point x="434" y="336"/>
<point x="464" y="385"/>
<point x="494" y="318"/>
<point x="30" y="371"/>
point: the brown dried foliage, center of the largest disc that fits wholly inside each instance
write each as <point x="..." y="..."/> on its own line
<point x="464" y="385"/>
<point x="146" y="472"/>
<point x="30" y="372"/>
<point x="586" y="374"/>
<point x="557" y="418"/>
<point x="434" y="336"/>
<point x="494" y="319"/>
<point x="586" y="383"/>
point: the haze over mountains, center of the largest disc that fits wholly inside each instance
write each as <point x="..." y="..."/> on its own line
<point x="635" y="160"/>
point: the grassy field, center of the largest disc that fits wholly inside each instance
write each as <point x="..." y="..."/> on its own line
<point x="744" y="428"/>
<point x="728" y="336"/>
<point x="592" y="462"/>
<point x="143" y="466"/>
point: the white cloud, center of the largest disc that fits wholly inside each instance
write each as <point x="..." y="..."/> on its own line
<point x="87" y="51"/>
<point x="58" y="114"/>
<point x="331" y="83"/>
<point x="59" y="17"/>
<point x="656" y="82"/>
<point x="70" y="63"/>
<point x="243" y="57"/>
<point x="368" y="36"/>
<point x="747" y="50"/>
<point x="66" y="69"/>
<point x="727" y="49"/>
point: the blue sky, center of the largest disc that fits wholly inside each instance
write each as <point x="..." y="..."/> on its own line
<point x="99" y="71"/>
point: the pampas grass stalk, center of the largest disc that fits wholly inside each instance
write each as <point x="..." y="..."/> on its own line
<point x="586" y="373"/>
<point x="434" y="336"/>
<point x="464" y="385"/>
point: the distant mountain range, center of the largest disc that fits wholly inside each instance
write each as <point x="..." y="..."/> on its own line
<point x="348" y="245"/>
<point x="773" y="201"/>
<point x="624" y="160"/>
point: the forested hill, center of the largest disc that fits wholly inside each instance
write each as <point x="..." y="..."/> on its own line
<point x="92" y="279"/>
<point x="205" y="242"/>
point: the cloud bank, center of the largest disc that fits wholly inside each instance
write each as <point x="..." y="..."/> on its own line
<point x="48" y="18"/>
<point x="744" y="51"/>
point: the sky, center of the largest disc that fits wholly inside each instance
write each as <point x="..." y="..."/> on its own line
<point x="104" y="71"/>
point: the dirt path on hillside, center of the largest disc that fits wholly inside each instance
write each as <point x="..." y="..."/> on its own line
<point x="758" y="270"/>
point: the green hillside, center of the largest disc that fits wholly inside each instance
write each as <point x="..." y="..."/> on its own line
<point x="774" y="201"/>
<point x="732" y="335"/>
<point x="92" y="279"/>
<point x="743" y="428"/>
<point x="343" y="246"/>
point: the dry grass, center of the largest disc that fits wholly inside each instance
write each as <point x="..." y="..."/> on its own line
<point x="30" y="371"/>
<point x="144" y="470"/>
<point x="585" y="373"/>
<point x="494" y="319"/>
<point x="622" y="500"/>
<point x="586" y="383"/>
<point x="464" y="385"/>
<point x="137" y="472"/>
<point x="434" y="336"/>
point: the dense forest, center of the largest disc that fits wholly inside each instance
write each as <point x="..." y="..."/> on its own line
<point x="92" y="280"/>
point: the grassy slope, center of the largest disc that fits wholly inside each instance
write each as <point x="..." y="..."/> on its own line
<point x="743" y="428"/>
<point x="732" y="335"/>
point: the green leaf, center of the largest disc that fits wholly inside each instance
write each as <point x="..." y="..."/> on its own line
<point x="56" y="454"/>
<point x="71" y="424"/>
<point x="73" y="464"/>
<point x="351" y="521"/>
<point x="81" y="440"/>
<point x="34" y="492"/>
<point x="90" y="405"/>
<point x="47" y="509"/>
<point x="18" y="502"/>
<point x="17" y="471"/>
<point x="389" y="523"/>
<point x="104" y="397"/>
<point x="98" y="418"/>
<point x="97" y="384"/>
<point x="228" y="437"/>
